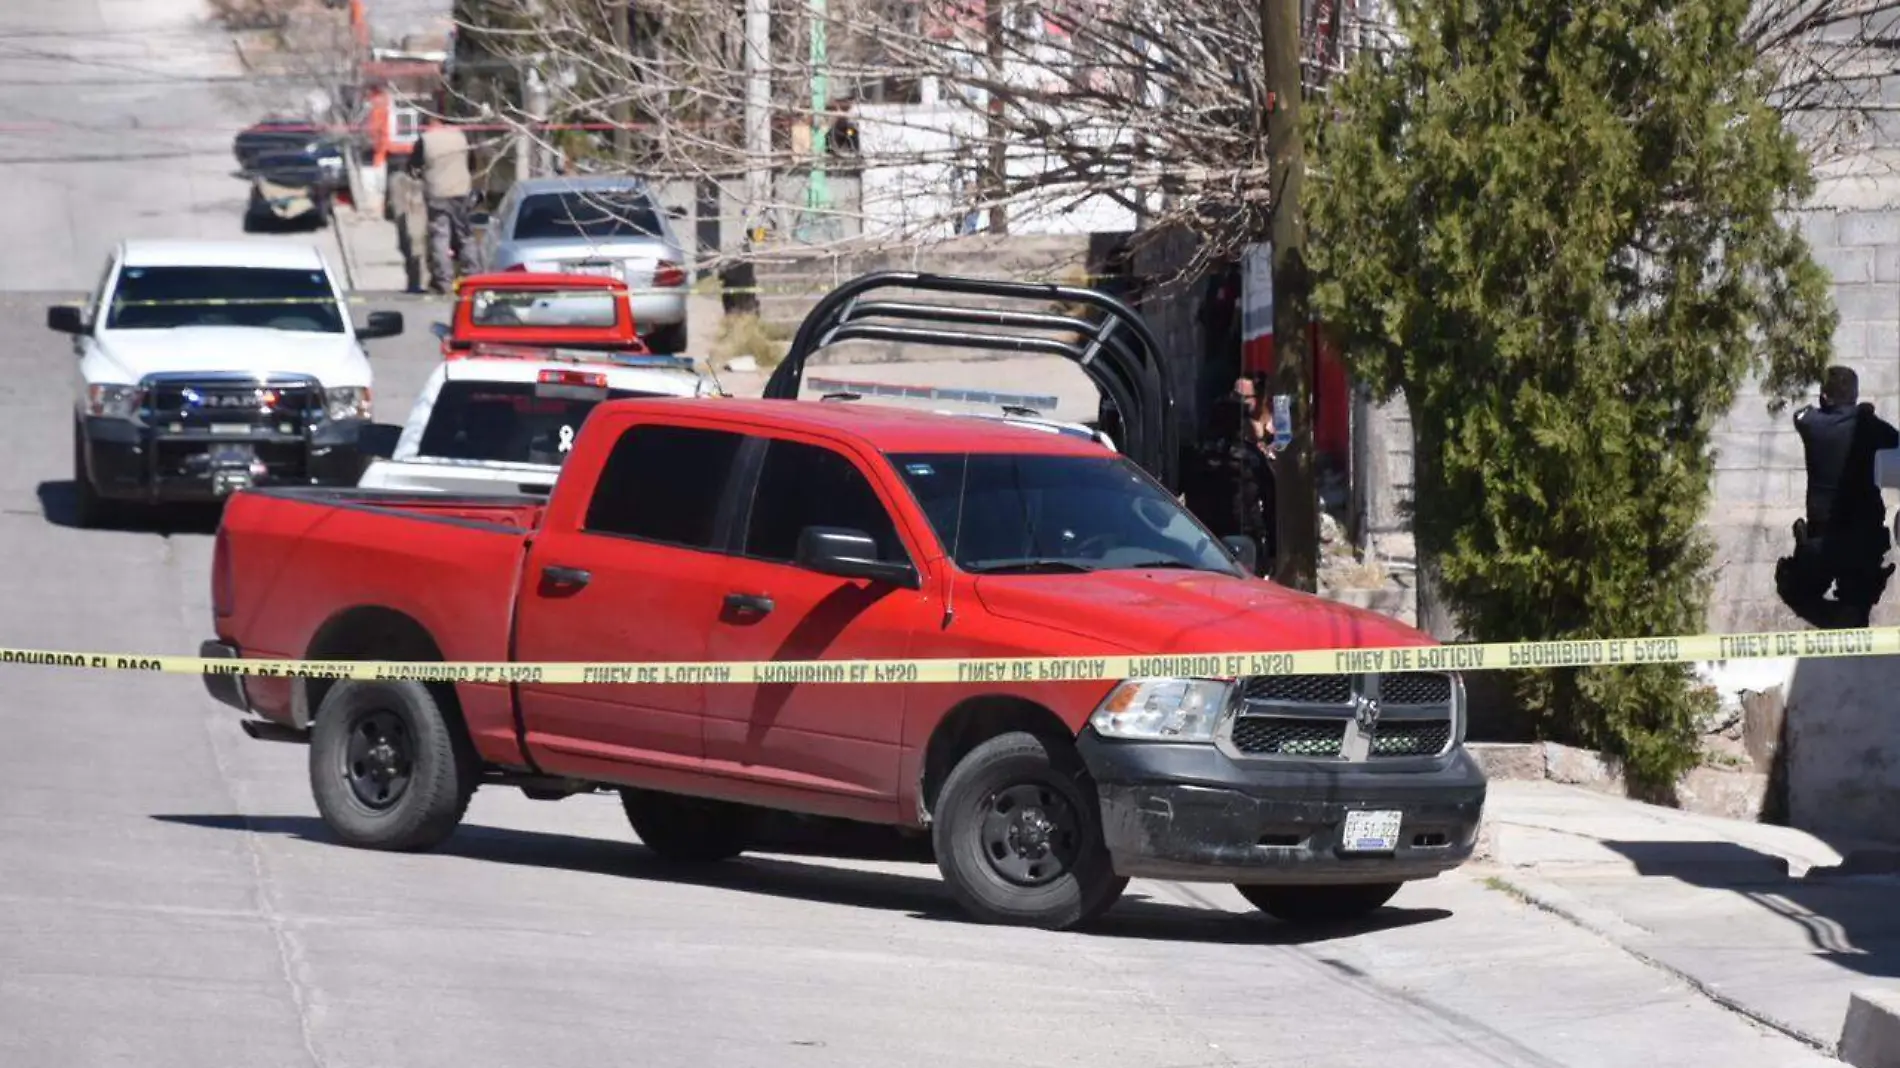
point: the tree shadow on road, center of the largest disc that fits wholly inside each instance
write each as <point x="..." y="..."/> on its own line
<point x="59" y="504"/>
<point x="923" y="897"/>
<point x="1848" y="921"/>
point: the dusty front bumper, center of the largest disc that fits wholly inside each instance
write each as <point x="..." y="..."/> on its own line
<point x="1189" y="813"/>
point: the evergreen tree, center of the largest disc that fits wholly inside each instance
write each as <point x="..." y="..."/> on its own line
<point x="1553" y="226"/>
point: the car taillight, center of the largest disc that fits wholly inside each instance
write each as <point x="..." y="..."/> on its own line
<point x="221" y="574"/>
<point x="667" y="275"/>
<point x="597" y="379"/>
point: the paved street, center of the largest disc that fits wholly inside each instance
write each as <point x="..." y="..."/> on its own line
<point x="116" y="119"/>
<point x="169" y="899"/>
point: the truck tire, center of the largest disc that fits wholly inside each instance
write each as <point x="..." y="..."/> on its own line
<point x="1313" y="905"/>
<point x="387" y="768"/>
<point x="89" y="508"/>
<point x="688" y="830"/>
<point x="1018" y="836"/>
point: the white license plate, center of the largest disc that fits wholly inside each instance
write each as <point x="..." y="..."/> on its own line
<point x="604" y="269"/>
<point x="235" y="429"/>
<point x="1370" y="832"/>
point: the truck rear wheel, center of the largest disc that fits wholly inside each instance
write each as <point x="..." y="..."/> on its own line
<point x="387" y="768"/>
<point x="688" y="830"/>
<point x="1336" y="903"/>
<point x="1018" y="836"/>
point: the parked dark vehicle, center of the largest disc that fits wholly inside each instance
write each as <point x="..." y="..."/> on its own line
<point x="295" y="168"/>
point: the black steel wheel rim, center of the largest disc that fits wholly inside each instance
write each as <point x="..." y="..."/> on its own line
<point x="1030" y="833"/>
<point x="378" y="759"/>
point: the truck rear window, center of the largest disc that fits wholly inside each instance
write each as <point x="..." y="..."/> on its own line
<point x="160" y="298"/>
<point x="544" y="308"/>
<point x="506" y="422"/>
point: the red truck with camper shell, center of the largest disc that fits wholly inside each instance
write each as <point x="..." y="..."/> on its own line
<point x="685" y="530"/>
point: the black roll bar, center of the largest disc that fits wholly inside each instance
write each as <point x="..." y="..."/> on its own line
<point x="1114" y="347"/>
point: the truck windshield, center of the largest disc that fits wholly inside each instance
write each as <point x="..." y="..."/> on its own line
<point x="594" y="213"/>
<point x="1001" y="512"/>
<point x="159" y="298"/>
<point x="506" y="422"/>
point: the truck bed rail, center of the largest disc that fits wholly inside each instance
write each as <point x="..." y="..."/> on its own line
<point x="1110" y="342"/>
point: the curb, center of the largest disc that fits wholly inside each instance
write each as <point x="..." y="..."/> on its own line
<point x="1870" y="1036"/>
<point x="1883" y="1029"/>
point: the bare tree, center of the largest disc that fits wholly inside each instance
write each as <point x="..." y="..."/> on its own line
<point x="1020" y="111"/>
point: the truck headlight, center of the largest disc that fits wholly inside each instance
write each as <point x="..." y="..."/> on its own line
<point x="1164" y="710"/>
<point x="346" y="402"/>
<point x="113" y="401"/>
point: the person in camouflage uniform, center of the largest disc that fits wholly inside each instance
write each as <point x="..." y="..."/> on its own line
<point x="411" y="216"/>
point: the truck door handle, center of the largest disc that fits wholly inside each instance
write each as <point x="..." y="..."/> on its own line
<point x="749" y="602"/>
<point x="567" y="577"/>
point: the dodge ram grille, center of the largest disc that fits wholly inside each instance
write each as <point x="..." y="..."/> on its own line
<point x="1349" y="717"/>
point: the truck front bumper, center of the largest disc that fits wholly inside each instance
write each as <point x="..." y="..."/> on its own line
<point x="1191" y="814"/>
<point x="130" y="461"/>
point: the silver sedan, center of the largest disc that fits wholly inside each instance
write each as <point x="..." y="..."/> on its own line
<point x="608" y="225"/>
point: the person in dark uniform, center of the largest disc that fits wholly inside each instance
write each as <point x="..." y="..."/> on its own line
<point x="1842" y="542"/>
<point x="1227" y="480"/>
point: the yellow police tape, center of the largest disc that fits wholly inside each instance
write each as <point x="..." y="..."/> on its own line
<point x="1497" y="656"/>
<point x="703" y="288"/>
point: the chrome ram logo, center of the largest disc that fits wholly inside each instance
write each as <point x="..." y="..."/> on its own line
<point x="258" y="400"/>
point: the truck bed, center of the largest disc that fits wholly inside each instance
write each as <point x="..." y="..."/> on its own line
<point x="515" y="512"/>
<point x="341" y="573"/>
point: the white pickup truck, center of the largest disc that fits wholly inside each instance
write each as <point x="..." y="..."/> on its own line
<point x="209" y="366"/>
<point x="501" y="419"/>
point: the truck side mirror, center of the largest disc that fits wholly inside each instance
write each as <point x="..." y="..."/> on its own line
<point x="66" y="319"/>
<point x="441" y="330"/>
<point x="1244" y="549"/>
<point x="381" y="324"/>
<point x="849" y="553"/>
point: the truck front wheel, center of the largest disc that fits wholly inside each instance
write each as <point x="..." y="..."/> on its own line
<point x="89" y="508"/>
<point x="688" y="830"/>
<point x="1319" y="904"/>
<point x="1018" y="836"/>
<point x="387" y="767"/>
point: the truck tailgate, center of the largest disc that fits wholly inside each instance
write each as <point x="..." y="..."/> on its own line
<point x="362" y="575"/>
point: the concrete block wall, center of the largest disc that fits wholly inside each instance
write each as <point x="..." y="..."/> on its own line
<point x="1760" y="480"/>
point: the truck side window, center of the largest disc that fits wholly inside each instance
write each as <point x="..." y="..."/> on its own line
<point x="803" y="486"/>
<point x="663" y="483"/>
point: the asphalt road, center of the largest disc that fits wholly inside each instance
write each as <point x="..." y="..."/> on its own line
<point x="116" y="119"/>
<point x="169" y="899"/>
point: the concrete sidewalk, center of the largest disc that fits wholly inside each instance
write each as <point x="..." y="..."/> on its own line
<point x="1765" y="920"/>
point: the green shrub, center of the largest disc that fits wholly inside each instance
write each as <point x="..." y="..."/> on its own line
<point x="1554" y="228"/>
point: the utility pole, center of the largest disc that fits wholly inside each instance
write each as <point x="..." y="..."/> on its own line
<point x="1297" y="497"/>
<point x="996" y="175"/>
<point x="758" y="113"/>
<point x="817" y="191"/>
<point x="620" y="17"/>
<point x="537" y="108"/>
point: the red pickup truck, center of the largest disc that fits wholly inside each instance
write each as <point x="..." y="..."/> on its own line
<point x="723" y="530"/>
